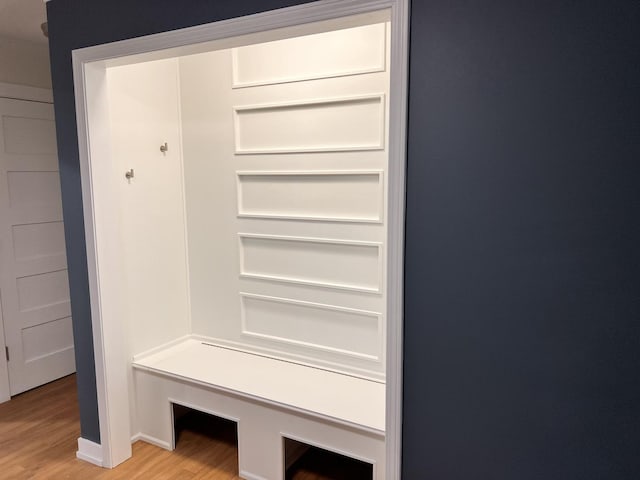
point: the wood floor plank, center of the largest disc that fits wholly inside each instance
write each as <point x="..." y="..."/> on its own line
<point x="38" y="441"/>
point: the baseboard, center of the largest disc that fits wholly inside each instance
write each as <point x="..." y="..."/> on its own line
<point x="89" y="451"/>
<point x="151" y="440"/>
<point x="250" y="476"/>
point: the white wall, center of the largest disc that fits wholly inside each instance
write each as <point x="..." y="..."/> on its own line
<point x="205" y="82"/>
<point x="144" y="114"/>
<point x="24" y="63"/>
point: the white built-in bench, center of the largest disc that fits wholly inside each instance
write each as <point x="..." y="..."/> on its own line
<point x="270" y="399"/>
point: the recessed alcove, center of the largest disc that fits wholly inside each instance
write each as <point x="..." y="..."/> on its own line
<point x="309" y="461"/>
<point x="264" y="234"/>
<point x="195" y="430"/>
<point x="238" y="201"/>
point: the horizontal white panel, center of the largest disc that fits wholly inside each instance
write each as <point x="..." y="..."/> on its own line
<point x="47" y="339"/>
<point x="29" y="135"/>
<point x="334" y="196"/>
<point x="322" y="55"/>
<point x="24" y="162"/>
<point x="315" y="326"/>
<point x="35" y="213"/>
<point x="37" y="265"/>
<point x="37" y="291"/>
<point x="38" y="240"/>
<point x="28" y="189"/>
<point x="38" y="316"/>
<point x="355" y="123"/>
<point x="326" y="263"/>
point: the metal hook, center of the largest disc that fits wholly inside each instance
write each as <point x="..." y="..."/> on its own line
<point x="164" y="148"/>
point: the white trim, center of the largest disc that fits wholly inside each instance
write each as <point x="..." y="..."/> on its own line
<point x="250" y="476"/>
<point x="89" y="66"/>
<point x="89" y="451"/>
<point x="24" y="92"/>
<point x="399" y="91"/>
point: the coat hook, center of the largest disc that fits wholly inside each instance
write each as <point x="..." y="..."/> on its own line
<point x="164" y="148"/>
<point x="129" y="174"/>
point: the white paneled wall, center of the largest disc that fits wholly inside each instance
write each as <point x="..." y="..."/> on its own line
<point x="263" y="225"/>
<point x="285" y="162"/>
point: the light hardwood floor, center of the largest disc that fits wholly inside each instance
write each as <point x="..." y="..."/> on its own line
<point x="38" y="440"/>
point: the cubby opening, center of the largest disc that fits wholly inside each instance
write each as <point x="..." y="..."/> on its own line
<point x="306" y="462"/>
<point x="209" y="441"/>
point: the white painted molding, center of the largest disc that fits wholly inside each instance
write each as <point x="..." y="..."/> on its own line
<point x="89" y="451"/>
<point x="399" y="91"/>
<point x="89" y="67"/>
<point x="24" y="92"/>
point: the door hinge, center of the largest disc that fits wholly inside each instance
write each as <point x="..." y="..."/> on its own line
<point x="6" y="351"/>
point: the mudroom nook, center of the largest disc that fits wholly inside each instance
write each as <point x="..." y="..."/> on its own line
<point x="242" y="203"/>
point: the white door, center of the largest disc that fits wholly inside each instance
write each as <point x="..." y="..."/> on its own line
<point x="34" y="288"/>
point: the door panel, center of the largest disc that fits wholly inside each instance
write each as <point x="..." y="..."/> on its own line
<point x="34" y="286"/>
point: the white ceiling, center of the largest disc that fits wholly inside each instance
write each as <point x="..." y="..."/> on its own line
<point x="21" y="20"/>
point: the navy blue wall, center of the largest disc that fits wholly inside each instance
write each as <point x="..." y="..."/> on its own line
<point x="523" y="227"/>
<point x="522" y="302"/>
